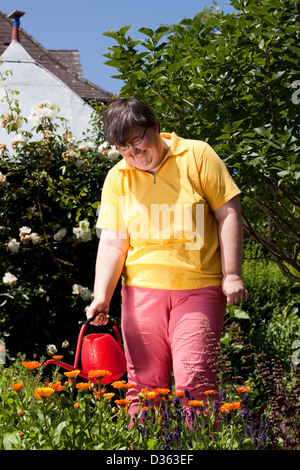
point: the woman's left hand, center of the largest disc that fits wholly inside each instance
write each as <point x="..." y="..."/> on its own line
<point x="234" y="289"/>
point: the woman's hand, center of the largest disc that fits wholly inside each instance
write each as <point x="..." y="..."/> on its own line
<point x="234" y="289"/>
<point x="99" y="309"/>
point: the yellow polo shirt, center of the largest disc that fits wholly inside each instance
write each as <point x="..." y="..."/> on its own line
<point x="169" y="217"/>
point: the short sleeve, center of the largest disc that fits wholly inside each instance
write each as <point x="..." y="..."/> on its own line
<point x="218" y="185"/>
<point x="110" y="211"/>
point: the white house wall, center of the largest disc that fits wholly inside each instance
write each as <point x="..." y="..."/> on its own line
<point x="36" y="84"/>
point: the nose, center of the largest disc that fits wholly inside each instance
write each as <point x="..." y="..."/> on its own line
<point x="135" y="150"/>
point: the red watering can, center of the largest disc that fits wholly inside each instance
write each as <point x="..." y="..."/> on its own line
<point x="99" y="351"/>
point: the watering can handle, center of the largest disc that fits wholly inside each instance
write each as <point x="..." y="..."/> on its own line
<point x="111" y="323"/>
<point x="115" y="328"/>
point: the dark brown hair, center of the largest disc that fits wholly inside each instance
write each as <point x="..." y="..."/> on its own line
<point x="124" y="114"/>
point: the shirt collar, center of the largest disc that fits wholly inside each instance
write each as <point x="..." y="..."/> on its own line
<point x="178" y="145"/>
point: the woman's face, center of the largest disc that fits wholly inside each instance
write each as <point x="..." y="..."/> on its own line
<point x="149" y="153"/>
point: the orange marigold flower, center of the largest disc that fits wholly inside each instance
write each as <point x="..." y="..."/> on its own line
<point x="76" y="405"/>
<point x="21" y="412"/>
<point x="243" y="389"/>
<point x="119" y="383"/>
<point x="123" y="402"/>
<point x="209" y="392"/>
<point x="149" y="395"/>
<point x="129" y="385"/>
<point x="17" y="387"/>
<point x="57" y="358"/>
<point x="227" y="407"/>
<point x="122" y="384"/>
<point x="97" y="374"/>
<point x="31" y="364"/>
<point x="72" y="374"/>
<point x="83" y="385"/>
<point x="195" y="403"/>
<point x="179" y="393"/>
<point x="161" y="391"/>
<point x="43" y="392"/>
<point x="57" y="386"/>
<point x="108" y="396"/>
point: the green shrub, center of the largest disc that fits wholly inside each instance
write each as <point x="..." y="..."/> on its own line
<point x="50" y="190"/>
<point x="269" y="320"/>
<point x="274" y="321"/>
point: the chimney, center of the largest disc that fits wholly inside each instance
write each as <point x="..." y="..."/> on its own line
<point x="15" y="15"/>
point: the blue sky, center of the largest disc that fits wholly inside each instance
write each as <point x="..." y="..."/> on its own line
<point x="73" y="24"/>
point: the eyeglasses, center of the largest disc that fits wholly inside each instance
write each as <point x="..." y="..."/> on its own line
<point x="134" y="143"/>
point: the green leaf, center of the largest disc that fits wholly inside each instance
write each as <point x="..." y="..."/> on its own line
<point x="240" y="314"/>
<point x="115" y="34"/>
<point x="237" y="124"/>
<point x="276" y="75"/>
<point x="11" y="440"/>
<point x="58" y="430"/>
<point x="147" y="31"/>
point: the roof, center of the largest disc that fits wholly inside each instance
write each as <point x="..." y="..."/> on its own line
<point x="65" y="64"/>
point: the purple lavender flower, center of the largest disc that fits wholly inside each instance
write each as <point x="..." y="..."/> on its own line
<point x="176" y="402"/>
<point x="253" y="427"/>
<point x="263" y="439"/>
<point x="216" y="405"/>
<point x="245" y="398"/>
<point x="168" y="439"/>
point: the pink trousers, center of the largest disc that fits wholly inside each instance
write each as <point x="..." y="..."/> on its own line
<point x="171" y="330"/>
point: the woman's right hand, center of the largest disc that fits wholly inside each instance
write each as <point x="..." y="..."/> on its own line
<point x="99" y="309"/>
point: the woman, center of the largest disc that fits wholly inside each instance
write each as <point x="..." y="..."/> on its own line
<point x="171" y="224"/>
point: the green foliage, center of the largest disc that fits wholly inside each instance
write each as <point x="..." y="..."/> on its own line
<point x="50" y="190"/>
<point x="231" y="80"/>
<point x="281" y="333"/>
<point x="270" y="318"/>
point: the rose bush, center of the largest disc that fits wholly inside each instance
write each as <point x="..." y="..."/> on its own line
<point x="50" y="188"/>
